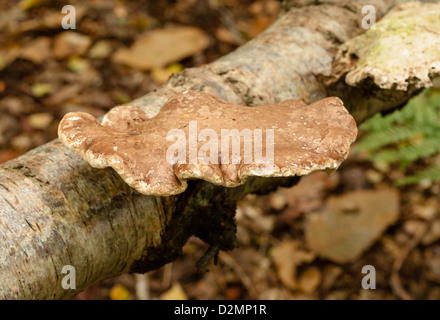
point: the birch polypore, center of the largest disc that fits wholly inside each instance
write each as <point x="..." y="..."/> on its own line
<point x="217" y="141"/>
<point x="401" y="52"/>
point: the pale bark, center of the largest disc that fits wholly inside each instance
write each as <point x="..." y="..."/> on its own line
<point x="56" y="210"/>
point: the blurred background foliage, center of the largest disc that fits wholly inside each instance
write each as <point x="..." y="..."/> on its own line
<point x="406" y="136"/>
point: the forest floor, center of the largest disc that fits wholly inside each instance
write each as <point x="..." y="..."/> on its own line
<point x="329" y="237"/>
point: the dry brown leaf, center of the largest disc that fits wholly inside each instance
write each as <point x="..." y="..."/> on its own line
<point x="433" y="233"/>
<point x="40" y="120"/>
<point x="119" y="292"/>
<point x="37" y="50"/>
<point x="330" y="275"/>
<point x="160" y="47"/>
<point x="176" y="292"/>
<point x="309" y="280"/>
<point x="100" y="50"/>
<point x="64" y="93"/>
<point x="287" y="257"/>
<point x="69" y="43"/>
<point x="8" y="55"/>
<point x="350" y="224"/>
<point x="300" y="199"/>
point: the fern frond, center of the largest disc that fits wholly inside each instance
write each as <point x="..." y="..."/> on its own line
<point x="406" y="135"/>
<point x="411" y="152"/>
<point x="432" y="173"/>
<point x="386" y="136"/>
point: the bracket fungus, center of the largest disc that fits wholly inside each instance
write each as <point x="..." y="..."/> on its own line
<point x="401" y="51"/>
<point x="199" y="136"/>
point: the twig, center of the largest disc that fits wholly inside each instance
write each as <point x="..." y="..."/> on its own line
<point x="247" y="282"/>
<point x="396" y="283"/>
<point x="142" y="286"/>
<point x="230" y="25"/>
<point x="210" y="254"/>
<point x="167" y="275"/>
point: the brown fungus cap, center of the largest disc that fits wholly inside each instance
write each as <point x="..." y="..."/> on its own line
<point x="199" y="136"/>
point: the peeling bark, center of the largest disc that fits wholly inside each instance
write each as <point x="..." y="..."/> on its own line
<point x="56" y="210"/>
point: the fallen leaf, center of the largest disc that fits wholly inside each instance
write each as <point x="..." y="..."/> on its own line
<point x="433" y="233"/>
<point x="100" y="50"/>
<point x="37" y="50"/>
<point x="330" y="274"/>
<point x="41" y="89"/>
<point x="161" y="75"/>
<point x="224" y="35"/>
<point x="349" y="224"/>
<point x="176" y="292"/>
<point x="77" y="64"/>
<point x="233" y="292"/>
<point x="161" y="47"/>
<point x="40" y="120"/>
<point x="64" y="93"/>
<point x="301" y="200"/>
<point x="21" y="143"/>
<point x="253" y="215"/>
<point x="309" y="280"/>
<point x="287" y="256"/>
<point x="277" y="200"/>
<point x="51" y="19"/>
<point x="121" y="96"/>
<point x="69" y="43"/>
<point x="8" y="55"/>
<point x="427" y="209"/>
<point x="119" y="292"/>
<point x="432" y="262"/>
<point x="29" y="4"/>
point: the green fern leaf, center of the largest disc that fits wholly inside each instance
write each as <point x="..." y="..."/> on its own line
<point x="406" y="135"/>
<point x="432" y="173"/>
